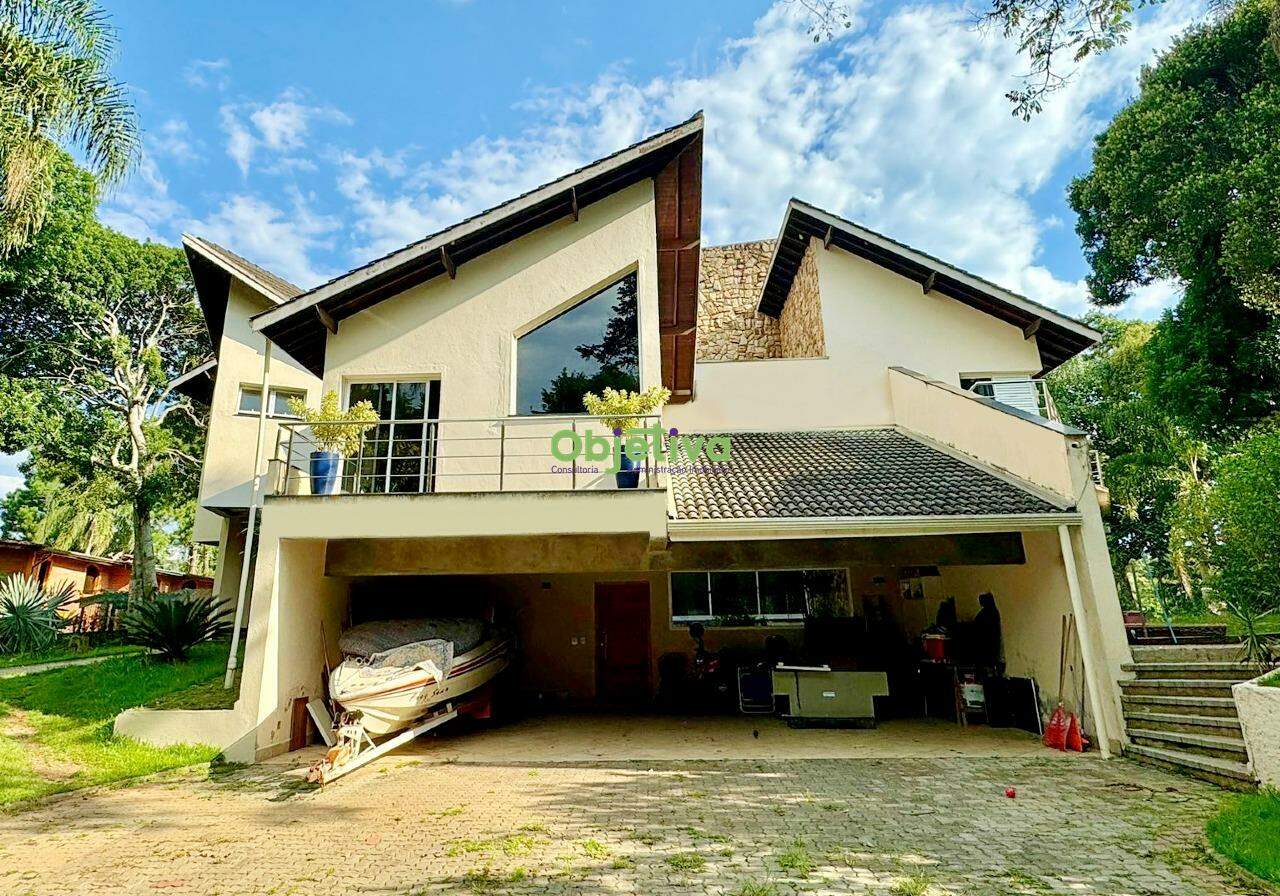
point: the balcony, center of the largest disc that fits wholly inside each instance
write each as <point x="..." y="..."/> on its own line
<point x="1024" y="393"/>
<point x="464" y="456"/>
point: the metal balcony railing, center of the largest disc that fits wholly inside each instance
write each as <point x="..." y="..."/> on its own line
<point x="493" y="454"/>
<point x="1023" y="393"/>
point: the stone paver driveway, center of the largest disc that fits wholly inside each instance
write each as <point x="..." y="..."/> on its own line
<point x="408" y="825"/>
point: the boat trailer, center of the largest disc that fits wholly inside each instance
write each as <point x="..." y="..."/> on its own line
<point x="355" y="748"/>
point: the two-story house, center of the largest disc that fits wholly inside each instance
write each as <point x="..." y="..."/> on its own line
<point x="891" y="445"/>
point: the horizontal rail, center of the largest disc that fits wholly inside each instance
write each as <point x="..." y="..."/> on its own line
<point x="475" y="454"/>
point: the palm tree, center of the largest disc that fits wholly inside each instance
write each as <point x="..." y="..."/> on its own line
<point x="56" y="87"/>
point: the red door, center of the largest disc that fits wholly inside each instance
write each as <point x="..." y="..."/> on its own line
<point x="622" y="642"/>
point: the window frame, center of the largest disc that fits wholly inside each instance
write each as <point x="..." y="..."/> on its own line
<point x="274" y="391"/>
<point x="763" y="620"/>
<point x="513" y="377"/>
<point x="428" y="451"/>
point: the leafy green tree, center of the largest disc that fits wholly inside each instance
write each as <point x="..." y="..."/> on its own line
<point x="96" y="325"/>
<point x="1183" y="188"/>
<point x="1245" y="508"/>
<point x="94" y="519"/>
<point x="56" y="88"/>
<point x="1155" y="469"/>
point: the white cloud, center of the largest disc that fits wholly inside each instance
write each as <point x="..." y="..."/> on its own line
<point x="900" y="124"/>
<point x="10" y="475"/>
<point x="143" y="208"/>
<point x="278" y="127"/>
<point x="208" y="73"/>
<point x="174" y="140"/>
<point x="282" y="241"/>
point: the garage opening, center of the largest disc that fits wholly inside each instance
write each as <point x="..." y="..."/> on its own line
<point x="826" y="642"/>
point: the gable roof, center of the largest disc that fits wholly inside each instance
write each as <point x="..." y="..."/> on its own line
<point x="673" y="157"/>
<point x="213" y="267"/>
<point x="1058" y="336"/>
<point x="878" y="473"/>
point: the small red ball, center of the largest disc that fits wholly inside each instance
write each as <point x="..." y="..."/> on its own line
<point x="1010" y="792"/>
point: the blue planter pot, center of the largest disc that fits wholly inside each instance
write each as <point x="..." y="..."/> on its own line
<point x="325" y="469"/>
<point x="628" y="475"/>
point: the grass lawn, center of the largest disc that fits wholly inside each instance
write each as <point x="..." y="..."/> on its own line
<point x="1247" y="831"/>
<point x="1268" y="625"/>
<point x="55" y="727"/>
<point x="9" y="660"/>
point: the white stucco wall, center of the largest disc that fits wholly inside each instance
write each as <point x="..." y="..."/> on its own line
<point x="873" y="319"/>
<point x="226" y="476"/>
<point x="463" y="331"/>
<point x="1259" y="708"/>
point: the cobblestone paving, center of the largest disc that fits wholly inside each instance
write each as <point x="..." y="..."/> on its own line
<point x="904" y="826"/>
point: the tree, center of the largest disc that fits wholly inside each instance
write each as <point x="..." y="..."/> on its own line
<point x="1182" y="188"/>
<point x="1245" y="509"/>
<point x="96" y="325"/>
<point x="55" y="88"/>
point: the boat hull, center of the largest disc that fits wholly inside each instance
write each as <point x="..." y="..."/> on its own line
<point x="398" y="703"/>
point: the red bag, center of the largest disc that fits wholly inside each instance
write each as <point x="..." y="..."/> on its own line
<point x="1055" y="735"/>
<point x="1074" y="740"/>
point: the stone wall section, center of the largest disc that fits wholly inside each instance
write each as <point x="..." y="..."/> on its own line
<point x="800" y="326"/>
<point x="729" y="327"/>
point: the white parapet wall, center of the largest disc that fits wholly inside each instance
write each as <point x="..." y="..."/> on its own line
<point x="1259" y="709"/>
<point x="227" y="729"/>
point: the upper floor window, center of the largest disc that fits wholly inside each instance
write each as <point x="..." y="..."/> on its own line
<point x="397" y="455"/>
<point x="251" y="401"/>
<point x="592" y="345"/>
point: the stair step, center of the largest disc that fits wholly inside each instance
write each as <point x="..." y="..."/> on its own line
<point x="1235" y="775"/>
<point x="1186" y="687"/>
<point x="1217" y="671"/>
<point x="1211" y="745"/>
<point x="1187" y="653"/>
<point x="1226" y="726"/>
<point x="1224" y="707"/>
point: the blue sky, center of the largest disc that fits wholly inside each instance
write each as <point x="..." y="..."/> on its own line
<point x="312" y="136"/>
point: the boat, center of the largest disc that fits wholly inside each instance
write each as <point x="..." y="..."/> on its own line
<point x="395" y="672"/>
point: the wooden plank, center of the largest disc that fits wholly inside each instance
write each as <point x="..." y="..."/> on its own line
<point x="573" y="201"/>
<point x="324" y="721"/>
<point x="448" y="263"/>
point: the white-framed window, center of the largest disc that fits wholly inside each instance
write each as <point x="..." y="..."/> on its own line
<point x="251" y="401"/>
<point x="757" y="596"/>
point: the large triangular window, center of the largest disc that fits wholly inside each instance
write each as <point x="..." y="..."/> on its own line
<point x="592" y="345"/>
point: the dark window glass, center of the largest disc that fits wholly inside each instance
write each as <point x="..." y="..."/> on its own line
<point x="782" y="593"/>
<point x="734" y="594"/>
<point x="394" y="456"/>
<point x="689" y="594"/>
<point x="592" y="345"/>
<point x="828" y="591"/>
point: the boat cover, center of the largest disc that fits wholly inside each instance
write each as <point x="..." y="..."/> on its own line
<point x="370" y="638"/>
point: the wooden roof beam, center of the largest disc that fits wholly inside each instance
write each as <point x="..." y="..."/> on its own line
<point x="448" y="263"/>
<point x="1032" y="328"/>
<point x="327" y="319"/>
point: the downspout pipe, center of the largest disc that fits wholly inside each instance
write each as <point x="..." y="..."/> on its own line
<point x="255" y="497"/>
<point x="1092" y="664"/>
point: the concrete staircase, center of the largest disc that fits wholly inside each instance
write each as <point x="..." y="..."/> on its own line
<point x="1180" y="714"/>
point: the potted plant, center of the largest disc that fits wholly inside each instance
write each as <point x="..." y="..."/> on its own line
<point x="336" y="433"/>
<point x="620" y="410"/>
